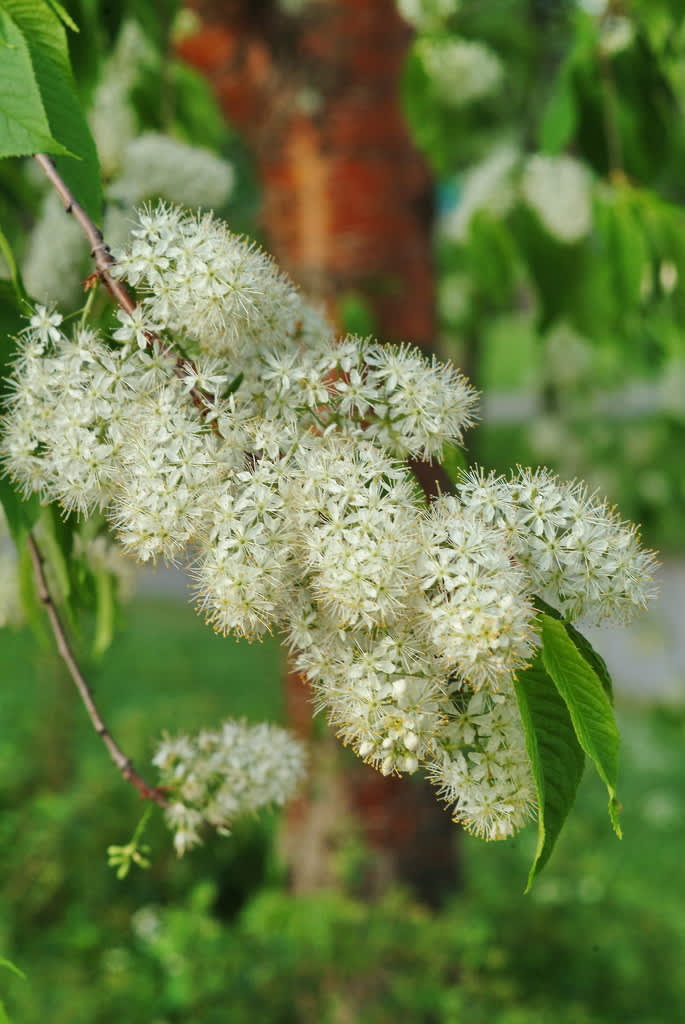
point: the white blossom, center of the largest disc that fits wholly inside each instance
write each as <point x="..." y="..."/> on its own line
<point x="490" y="185"/>
<point x="478" y="610"/>
<point x="222" y="774"/>
<point x="483" y="769"/>
<point x="462" y="70"/>
<point x="573" y="547"/>
<point x="220" y="291"/>
<point x="55" y="257"/>
<point x="154" y="165"/>
<point x="112" y="118"/>
<point x="558" y="189"/>
<point x="424" y="14"/>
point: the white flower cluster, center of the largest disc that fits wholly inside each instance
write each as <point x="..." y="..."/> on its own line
<point x="136" y="167"/>
<point x="558" y="189"/>
<point x="112" y="117"/>
<point x="483" y="769"/>
<point x="53" y="266"/>
<point x="461" y="70"/>
<point x="425" y="14"/>
<point x="220" y="775"/>
<point x="270" y="466"/>
<point x="573" y="548"/>
<point x="490" y="185"/>
<point x="205" y="284"/>
<point x="157" y="165"/>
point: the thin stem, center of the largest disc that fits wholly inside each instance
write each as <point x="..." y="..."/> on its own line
<point x="104" y="261"/>
<point x="610" y="113"/>
<point x="85" y="312"/>
<point x="123" y="763"/>
<point x="98" y="249"/>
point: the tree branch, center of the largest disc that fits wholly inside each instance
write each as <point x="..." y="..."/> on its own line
<point x="123" y="763"/>
<point x="104" y="260"/>
<point x="98" y="249"/>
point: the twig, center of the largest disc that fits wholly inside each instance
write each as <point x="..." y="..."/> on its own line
<point x="104" y="261"/>
<point x="98" y="249"/>
<point x="610" y="112"/>
<point x="122" y="762"/>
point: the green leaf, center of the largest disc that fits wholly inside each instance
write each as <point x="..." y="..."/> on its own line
<point x="63" y="15"/>
<point x="15" y="273"/>
<point x="55" y="545"/>
<point x="542" y="606"/>
<point x="587" y="702"/>
<point x="593" y="658"/>
<point x="12" y="967"/>
<point x="235" y="384"/>
<point x="560" y="117"/>
<point x="12" y="321"/>
<point x="196" y="111"/>
<point x="105" y="607"/>
<point x="24" y="125"/>
<point x="355" y="314"/>
<point x="628" y="250"/>
<point x="555" y="755"/>
<point x="47" y="44"/>
<point x="32" y="606"/>
<point x="454" y="462"/>
<point x="21" y="513"/>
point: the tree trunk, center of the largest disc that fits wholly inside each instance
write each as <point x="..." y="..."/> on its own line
<point x="347" y="209"/>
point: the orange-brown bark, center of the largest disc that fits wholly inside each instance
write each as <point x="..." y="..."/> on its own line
<point x="346" y="195"/>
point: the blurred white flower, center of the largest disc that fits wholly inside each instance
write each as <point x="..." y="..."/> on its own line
<point x="490" y="186"/>
<point x="462" y="70"/>
<point x="616" y="34"/>
<point x="155" y="165"/>
<point x="222" y="774"/>
<point x="112" y="119"/>
<point x="559" y="190"/>
<point x="425" y="14"/>
<point x="568" y="356"/>
<point x="56" y="255"/>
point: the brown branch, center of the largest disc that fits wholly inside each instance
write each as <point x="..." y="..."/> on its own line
<point x="98" y="249"/>
<point x="123" y="763"/>
<point x="104" y="261"/>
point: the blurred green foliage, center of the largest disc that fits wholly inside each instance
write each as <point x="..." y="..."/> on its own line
<point x="217" y="937"/>
<point x="602" y="85"/>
